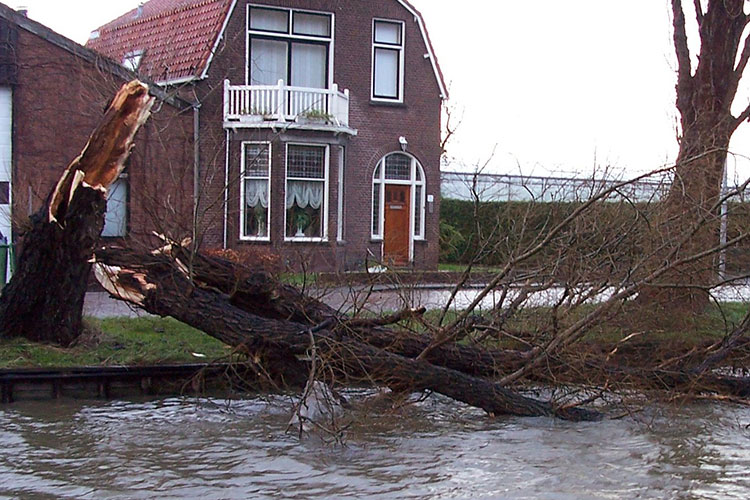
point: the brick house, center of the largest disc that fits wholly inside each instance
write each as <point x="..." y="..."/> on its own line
<point x="53" y="92"/>
<point x="319" y="122"/>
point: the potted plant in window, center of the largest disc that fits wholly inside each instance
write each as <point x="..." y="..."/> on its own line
<point x="260" y="220"/>
<point x="302" y="221"/>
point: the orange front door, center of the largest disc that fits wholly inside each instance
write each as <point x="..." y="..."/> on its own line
<point x="396" y="237"/>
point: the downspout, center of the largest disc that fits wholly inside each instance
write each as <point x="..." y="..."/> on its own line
<point x="196" y="170"/>
<point x="724" y="217"/>
<point x="226" y="192"/>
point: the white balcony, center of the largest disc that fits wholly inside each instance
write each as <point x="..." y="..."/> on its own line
<point x="281" y="105"/>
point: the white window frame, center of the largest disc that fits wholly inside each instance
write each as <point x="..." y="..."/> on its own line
<point x="243" y="178"/>
<point x="413" y="182"/>
<point x="401" y="50"/>
<point x="289" y="35"/>
<point x="132" y="60"/>
<point x="324" y="208"/>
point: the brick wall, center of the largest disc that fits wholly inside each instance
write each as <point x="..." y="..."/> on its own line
<point x="57" y="103"/>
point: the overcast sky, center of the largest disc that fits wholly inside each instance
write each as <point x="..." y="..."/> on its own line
<point x="549" y="85"/>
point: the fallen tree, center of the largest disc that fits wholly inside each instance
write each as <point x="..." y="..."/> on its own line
<point x="44" y="299"/>
<point x="160" y="285"/>
<point x="295" y="339"/>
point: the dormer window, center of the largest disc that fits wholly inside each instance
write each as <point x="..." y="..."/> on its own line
<point x="289" y="45"/>
<point x="132" y="60"/>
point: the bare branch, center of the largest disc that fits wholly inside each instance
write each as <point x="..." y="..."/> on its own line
<point x="744" y="116"/>
<point x="684" y="67"/>
<point x="698" y="12"/>
<point x="734" y="80"/>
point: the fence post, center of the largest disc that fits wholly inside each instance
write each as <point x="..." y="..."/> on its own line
<point x="333" y="102"/>
<point x="226" y="99"/>
<point x="282" y="111"/>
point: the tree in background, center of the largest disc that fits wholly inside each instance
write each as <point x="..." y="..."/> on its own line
<point x="690" y="220"/>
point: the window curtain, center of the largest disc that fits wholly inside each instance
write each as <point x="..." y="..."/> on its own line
<point x="309" y="65"/>
<point x="256" y="193"/>
<point x="115" y="218"/>
<point x="312" y="24"/>
<point x="269" y="20"/>
<point x="386" y="72"/>
<point x="387" y="33"/>
<point x="304" y="194"/>
<point x="267" y="62"/>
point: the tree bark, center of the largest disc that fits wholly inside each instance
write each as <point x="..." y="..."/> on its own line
<point x="259" y="293"/>
<point x="704" y="101"/>
<point x="44" y="299"/>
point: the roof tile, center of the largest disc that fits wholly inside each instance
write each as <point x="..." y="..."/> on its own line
<point x="176" y="36"/>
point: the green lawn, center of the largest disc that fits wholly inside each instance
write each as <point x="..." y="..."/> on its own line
<point x="459" y="268"/>
<point x="150" y="340"/>
<point x="118" y="341"/>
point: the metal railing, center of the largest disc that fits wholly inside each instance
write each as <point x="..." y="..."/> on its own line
<point x="501" y="187"/>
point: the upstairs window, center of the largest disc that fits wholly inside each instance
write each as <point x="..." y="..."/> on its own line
<point x="289" y="45"/>
<point x="388" y="60"/>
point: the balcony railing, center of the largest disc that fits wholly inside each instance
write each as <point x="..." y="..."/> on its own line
<point x="249" y="104"/>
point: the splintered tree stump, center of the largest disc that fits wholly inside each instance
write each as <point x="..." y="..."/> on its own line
<point x="44" y="299"/>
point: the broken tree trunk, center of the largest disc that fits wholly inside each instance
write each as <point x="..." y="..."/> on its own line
<point x="159" y="286"/>
<point x="44" y="299"/>
<point x="258" y="293"/>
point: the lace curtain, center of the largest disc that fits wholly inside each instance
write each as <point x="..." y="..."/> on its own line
<point x="304" y="194"/>
<point x="256" y="192"/>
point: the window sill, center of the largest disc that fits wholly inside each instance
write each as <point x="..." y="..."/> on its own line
<point x="305" y="240"/>
<point x="387" y="104"/>
<point x="250" y="239"/>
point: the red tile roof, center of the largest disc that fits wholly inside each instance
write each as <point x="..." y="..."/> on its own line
<point x="176" y="36"/>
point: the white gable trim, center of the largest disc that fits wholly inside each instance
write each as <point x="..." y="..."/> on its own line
<point x="218" y="39"/>
<point x="430" y="52"/>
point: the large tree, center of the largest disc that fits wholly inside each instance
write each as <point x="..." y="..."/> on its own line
<point x="706" y="92"/>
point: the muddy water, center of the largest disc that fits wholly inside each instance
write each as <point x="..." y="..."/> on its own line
<point x="211" y="449"/>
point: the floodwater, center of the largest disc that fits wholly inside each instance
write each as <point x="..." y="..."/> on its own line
<point x="382" y="299"/>
<point x="214" y="449"/>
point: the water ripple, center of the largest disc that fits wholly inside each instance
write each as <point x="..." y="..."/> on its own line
<point x="216" y="449"/>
